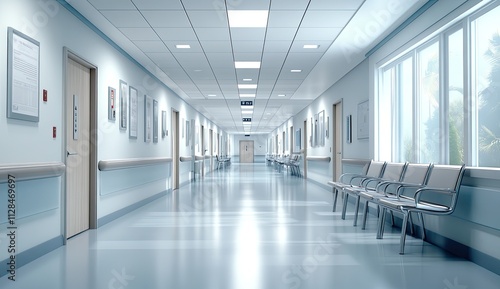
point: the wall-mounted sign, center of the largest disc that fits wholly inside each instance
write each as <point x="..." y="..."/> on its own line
<point x="246" y="103"/>
<point x="247" y="119"/>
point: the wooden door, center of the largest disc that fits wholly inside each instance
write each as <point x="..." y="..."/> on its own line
<point x="246" y="151"/>
<point x="77" y="148"/>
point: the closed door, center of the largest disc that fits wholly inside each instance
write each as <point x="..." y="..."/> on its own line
<point x="337" y="125"/>
<point x="175" y="149"/>
<point x="77" y="148"/>
<point x="246" y="151"/>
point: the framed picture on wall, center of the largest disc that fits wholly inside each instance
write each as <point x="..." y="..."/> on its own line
<point x="133" y="112"/>
<point x="321" y="128"/>
<point x="148" y="118"/>
<point x="363" y="120"/>
<point x="187" y="133"/>
<point x="123" y="104"/>
<point x="298" y="140"/>
<point x="23" y="76"/>
<point x="155" y="121"/>
<point x="164" y="132"/>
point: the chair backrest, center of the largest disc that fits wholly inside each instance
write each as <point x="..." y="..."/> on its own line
<point x="445" y="177"/>
<point x="416" y="173"/>
<point x="376" y="169"/>
<point x="394" y="171"/>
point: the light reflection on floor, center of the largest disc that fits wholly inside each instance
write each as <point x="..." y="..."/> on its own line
<point x="246" y="227"/>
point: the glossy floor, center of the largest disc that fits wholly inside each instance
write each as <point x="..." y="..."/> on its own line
<point x="246" y="227"/>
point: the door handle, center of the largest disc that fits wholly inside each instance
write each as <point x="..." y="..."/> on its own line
<point x="71" y="154"/>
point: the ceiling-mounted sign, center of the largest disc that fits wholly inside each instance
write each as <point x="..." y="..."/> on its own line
<point x="247" y="119"/>
<point x="246" y="102"/>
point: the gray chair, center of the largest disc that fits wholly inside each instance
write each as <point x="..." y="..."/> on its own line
<point x="414" y="174"/>
<point x="438" y="197"/>
<point x="375" y="170"/>
<point x="391" y="172"/>
<point x="344" y="180"/>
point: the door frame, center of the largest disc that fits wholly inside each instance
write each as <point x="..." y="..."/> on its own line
<point x="175" y="148"/>
<point x="337" y="129"/>
<point x="69" y="54"/>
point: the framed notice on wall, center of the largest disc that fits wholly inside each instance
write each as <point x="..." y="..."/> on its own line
<point x="363" y="120"/>
<point x="148" y="118"/>
<point x="23" y="76"/>
<point x="133" y="112"/>
<point x="123" y="104"/>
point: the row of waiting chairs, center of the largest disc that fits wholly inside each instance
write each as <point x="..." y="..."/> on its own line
<point x="222" y="161"/>
<point x="403" y="188"/>
<point x="291" y="162"/>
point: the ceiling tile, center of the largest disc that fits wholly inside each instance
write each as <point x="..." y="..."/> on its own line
<point x="245" y="34"/>
<point x="284" y="18"/>
<point x="212" y="34"/>
<point x="176" y="34"/>
<point x="139" y="33"/>
<point x="163" y="59"/>
<point x="335" y="4"/>
<point x="195" y="46"/>
<point x="151" y="46"/>
<point x="328" y="18"/>
<point x="112" y="4"/>
<point x="247" y="5"/>
<point x="204" y="5"/>
<point x="216" y="47"/>
<point x="221" y="60"/>
<point x="124" y="18"/>
<point x="289" y="5"/>
<point x="166" y="18"/>
<point x="280" y="34"/>
<point x="277" y="46"/>
<point x="247" y="56"/>
<point x="208" y="19"/>
<point x="317" y="33"/>
<point x="156" y="4"/>
<point x="248" y="46"/>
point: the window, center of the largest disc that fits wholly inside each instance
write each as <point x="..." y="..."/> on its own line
<point x="485" y="62"/>
<point x="440" y="101"/>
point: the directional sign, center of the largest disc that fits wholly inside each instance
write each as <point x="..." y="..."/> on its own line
<point x="246" y="102"/>
<point x="247" y="119"/>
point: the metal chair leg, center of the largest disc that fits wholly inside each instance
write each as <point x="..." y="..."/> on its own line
<point x="403" y="233"/>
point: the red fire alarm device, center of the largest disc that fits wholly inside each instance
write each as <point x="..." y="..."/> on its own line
<point x="44" y="95"/>
<point x="54" y="132"/>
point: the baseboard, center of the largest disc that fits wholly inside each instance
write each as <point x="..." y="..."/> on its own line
<point x="32" y="254"/>
<point x="115" y="215"/>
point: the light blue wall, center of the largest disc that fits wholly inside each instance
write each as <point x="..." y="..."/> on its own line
<point x="40" y="215"/>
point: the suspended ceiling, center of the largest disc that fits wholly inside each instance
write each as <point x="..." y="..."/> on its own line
<point x="205" y="76"/>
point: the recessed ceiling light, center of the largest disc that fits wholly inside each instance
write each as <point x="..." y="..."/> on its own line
<point x="282" y="95"/>
<point x="247" y="64"/>
<point x="247" y="79"/>
<point x="247" y="86"/>
<point x="247" y="107"/>
<point x="311" y="46"/>
<point x="212" y="95"/>
<point x="198" y="70"/>
<point x="246" y="111"/>
<point x="296" y="70"/>
<point x="247" y="18"/>
<point x="246" y="95"/>
<point x="183" y="46"/>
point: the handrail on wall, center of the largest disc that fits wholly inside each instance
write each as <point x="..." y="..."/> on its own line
<point x="31" y="171"/>
<point x="360" y="162"/>
<point x="199" y="158"/>
<point x="108" y="165"/>
<point x="186" y="159"/>
<point x="319" y="158"/>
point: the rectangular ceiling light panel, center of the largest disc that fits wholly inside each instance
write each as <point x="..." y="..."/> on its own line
<point x="247" y="18"/>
